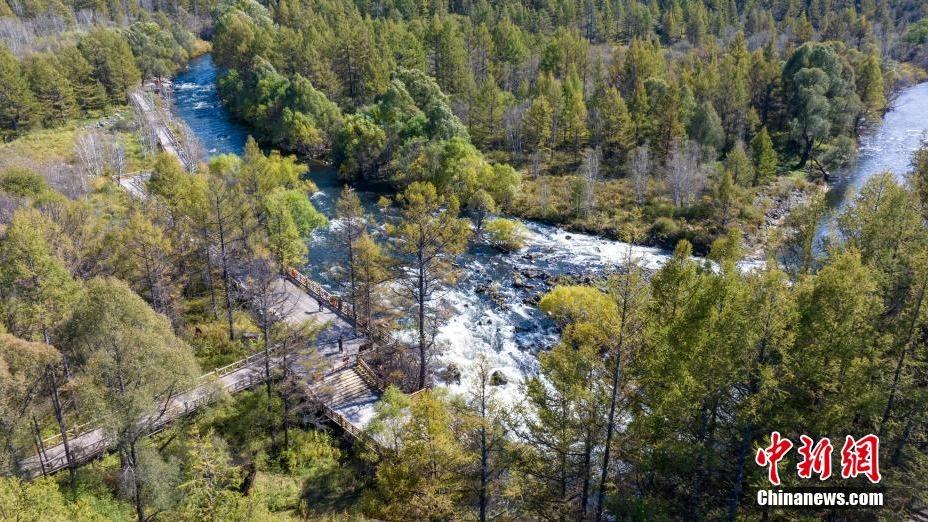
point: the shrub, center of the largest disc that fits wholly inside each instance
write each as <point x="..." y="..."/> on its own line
<point x="664" y="228"/>
<point x="23" y="183"/>
<point x="506" y="234"/>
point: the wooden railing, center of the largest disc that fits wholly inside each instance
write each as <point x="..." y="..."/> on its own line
<point x="342" y="422"/>
<point x="155" y="119"/>
<point x="368" y="375"/>
<point x="82" y="453"/>
<point x="314" y="289"/>
<point x="375" y="333"/>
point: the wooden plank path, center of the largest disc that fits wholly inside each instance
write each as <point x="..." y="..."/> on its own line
<point x="347" y="392"/>
<point x="159" y="127"/>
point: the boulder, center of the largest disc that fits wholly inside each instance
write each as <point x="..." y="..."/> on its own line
<point x="451" y="374"/>
<point x="498" y="378"/>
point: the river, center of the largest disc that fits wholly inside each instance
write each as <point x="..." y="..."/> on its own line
<point x="888" y="147"/>
<point x="491" y="309"/>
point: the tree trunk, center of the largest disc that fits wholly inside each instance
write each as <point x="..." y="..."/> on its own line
<point x="735" y="496"/>
<point x="902" y="353"/>
<point x="484" y="456"/>
<point x="212" y="286"/>
<point x="806" y="152"/>
<point x="286" y="419"/>
<point x="352" y="279"/>
<point x="610" y="421"/>
<point x="585" y="469"/>
<point x="226" y="279"/>
<point x="139" y="503"/>
<point x="422" y="371"/>
<point x="267" y="355"/>
<point x="62" y="427"/>
<point x="484" y="473"/>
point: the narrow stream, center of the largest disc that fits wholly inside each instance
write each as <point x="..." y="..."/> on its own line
<point x="491" y="309"/>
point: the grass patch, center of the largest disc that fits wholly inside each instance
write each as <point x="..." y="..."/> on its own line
<point x="42" y="146"/>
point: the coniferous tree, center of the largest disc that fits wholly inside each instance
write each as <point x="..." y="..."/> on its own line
<point x="428" y="236"/>
<point x="55" y="101"/>
<point x="18" y="107"/>
<point x="764" y="158"/>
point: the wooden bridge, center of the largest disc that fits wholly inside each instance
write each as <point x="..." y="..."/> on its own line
<point x="346" y="393"/>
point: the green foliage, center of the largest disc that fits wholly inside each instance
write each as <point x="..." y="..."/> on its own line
<point x="24" y="183"/>
<point x="740" y="166"/>
<point x="870" y="86"/>
<point x="304" y="214"/>
<point x="706" y="127"/>
<point x="112" y="62"/>
<point x="17" y="112"/>
<point x="38" y="289"/>
<point x="616" y="131"/>
<point x="34" y="501"/>
<point x="211" y="489"/>
<point x="54" y="96"/>
<point x="918" y="177"/>
<point x="917" y="33"/>
<point x="764" y="158"/>
<point x="506" y="234"/>
<point x="284" y="238"/>
<point x="121" y="340"/>
<point x="22" y="365"/>
<point x="579" y="304"/>
<point x="820" y="97"/>
<point x="157" y="51"/>
<point x="420" y="475"/>
<point x="427" y="237"/>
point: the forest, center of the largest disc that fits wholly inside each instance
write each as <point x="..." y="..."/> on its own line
<point x="683" y="124"/>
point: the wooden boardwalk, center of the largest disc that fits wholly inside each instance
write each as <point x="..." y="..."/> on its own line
<point x="163" y="134"/>
<point x="346" y="393"/>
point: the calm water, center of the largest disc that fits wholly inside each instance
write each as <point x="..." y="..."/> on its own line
<point x="491" y="309"/>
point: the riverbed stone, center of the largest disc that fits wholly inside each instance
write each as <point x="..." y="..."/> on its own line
<point x="498" y="378"/>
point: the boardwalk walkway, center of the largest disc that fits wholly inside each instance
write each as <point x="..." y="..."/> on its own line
<point x="165" y="137"/>
<point x="347" y="392"/>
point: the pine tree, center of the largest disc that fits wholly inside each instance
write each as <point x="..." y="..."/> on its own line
<point x="372" y="270"/>
<point x="563" y="424"/>
<point x="113" y="65"/>
<point x="428" y="236"/>
<point x="617" y="132"/>
<point x="539" y="120"/>
<point x="740" y="166"/>
<point x="18" y="109"/>
<point x="870" y="86"/>
<point x="573" y="129"/>
<point x="706" y="127"/>
<point x="421" y="474"/>
<point x="764" y="158"/>
<point x="55" y="101"/>
<point x="37" y="289"/>
<point x="353" y="224"/>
